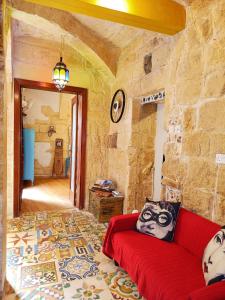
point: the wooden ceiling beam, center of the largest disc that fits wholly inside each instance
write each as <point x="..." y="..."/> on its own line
<point x="164" y="16"/>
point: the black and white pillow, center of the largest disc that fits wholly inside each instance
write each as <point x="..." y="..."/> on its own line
<point x="159" y="219"/>
<point x="213" y="262"/>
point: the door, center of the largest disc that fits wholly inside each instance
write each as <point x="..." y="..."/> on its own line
<point x="78" y="150"/>
<point x="82" y="98"/>
<point x="73" y="153"/>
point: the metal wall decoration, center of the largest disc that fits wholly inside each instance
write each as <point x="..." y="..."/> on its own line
<point x="51" y="130"/>
<point x="156" y="97"/>
<point x="117" y="106"/>
<point x="148" y="63"/>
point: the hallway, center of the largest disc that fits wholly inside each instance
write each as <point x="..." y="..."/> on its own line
<point x="46" y="194"/>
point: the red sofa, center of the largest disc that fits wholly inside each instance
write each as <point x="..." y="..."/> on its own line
<point x="163" y="270"/>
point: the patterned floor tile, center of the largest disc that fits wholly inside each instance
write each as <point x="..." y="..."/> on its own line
<point x="20" y="224"/>
<point x="43" y="233"/>
<point x="29" y="294"/>
<point x="77" y="267"/>
<point x="70" y="229"/>
<point x="121" y="286"/>
<point x="64" y="252"/>
<point x="58" y="225"/>
<point x="57" y="255"/>
<point x="88" y="289"/>
<point x="22" y="255"/>
<point x="42" y="216"/>
<point x="38" y="274"/>
<point x="14" y="256"/>
<point x="21" y="239"/>
<point x="50" y="292"/>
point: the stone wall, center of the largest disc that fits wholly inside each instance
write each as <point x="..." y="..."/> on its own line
<point x="44" y="109"/>
<point x="131" y="163"/>
<point x="190" y="66"/>
<point x="196" y="87"/>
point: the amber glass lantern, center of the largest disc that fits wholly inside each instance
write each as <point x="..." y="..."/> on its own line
<point x="60" y="75"/>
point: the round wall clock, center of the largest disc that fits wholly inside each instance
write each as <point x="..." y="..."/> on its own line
<point x="117" y="106"/>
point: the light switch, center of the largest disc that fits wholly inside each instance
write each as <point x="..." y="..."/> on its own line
<point x="220" y="159"/>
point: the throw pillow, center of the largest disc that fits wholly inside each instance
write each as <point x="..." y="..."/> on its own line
<point x="213" y="263"/>
<point x="159" y="219"/>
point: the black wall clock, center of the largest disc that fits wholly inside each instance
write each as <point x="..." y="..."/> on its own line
<point x="117" y="106"/>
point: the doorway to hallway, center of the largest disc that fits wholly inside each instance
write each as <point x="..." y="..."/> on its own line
<point x="49" y="146"/>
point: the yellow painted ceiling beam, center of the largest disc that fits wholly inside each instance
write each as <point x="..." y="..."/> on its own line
<point x="164" y="16"/>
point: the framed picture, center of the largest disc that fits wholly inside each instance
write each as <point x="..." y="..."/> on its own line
<point x="59" y="143"/>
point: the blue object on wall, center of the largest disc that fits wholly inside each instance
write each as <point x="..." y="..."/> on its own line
<point x="67" y="166"/>
<point x="28" y="148"/>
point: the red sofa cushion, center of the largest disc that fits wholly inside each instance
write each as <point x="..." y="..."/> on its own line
<point x="161" y="270"/>
<point x="193" y="232"/>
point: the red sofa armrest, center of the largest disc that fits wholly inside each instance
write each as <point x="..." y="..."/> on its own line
<point x="116" y="224"/>
<point x="215" y="291"/>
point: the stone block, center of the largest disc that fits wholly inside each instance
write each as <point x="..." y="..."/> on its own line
<point x="214" y="85"/>
<point x="196" y="144"/>
<point x="188" y="91"/>
<point x="217" y="144"/>
<point x="207" y="29"/>
<point x="171" y="149"/>
<point x="192" y="66"/>
<point x="189" y="121"/>
<point x="215" y="54"/>
<point x="62" y="129"/>
<point x="199" y="201"/>
<point x="211" y="116"/>
<point x="201" y="173"/>
<point x="41" y="137"/>
<point x="43" y="128"/>
<point x="219" y="214"/>
<point x="221" y="180"/>
<point x="174" y="172"/>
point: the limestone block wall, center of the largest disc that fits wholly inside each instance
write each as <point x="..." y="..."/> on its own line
<point x="196" y="85"/>
<point x="190" y="66"/>
<point x="131" y="164"/>
<point x="44" y="109"/>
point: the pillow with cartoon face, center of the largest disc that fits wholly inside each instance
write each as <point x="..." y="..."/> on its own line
<point x="213" y="262"/>
<point x="159" y="219"/>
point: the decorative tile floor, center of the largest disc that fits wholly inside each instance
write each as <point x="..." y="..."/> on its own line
<point x="57" y="255"/>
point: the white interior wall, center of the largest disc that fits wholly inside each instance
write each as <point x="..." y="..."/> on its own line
<point x="159" y="142"/>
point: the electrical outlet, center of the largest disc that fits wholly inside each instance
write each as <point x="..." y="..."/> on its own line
<point x="220" y="159"/>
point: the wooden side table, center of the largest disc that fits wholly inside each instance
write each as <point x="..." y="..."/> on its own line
<point x="103" y="208"/>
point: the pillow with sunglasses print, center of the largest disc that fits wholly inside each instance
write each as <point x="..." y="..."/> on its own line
<point x="158" y="219"/>
<point x="213" y="262"/>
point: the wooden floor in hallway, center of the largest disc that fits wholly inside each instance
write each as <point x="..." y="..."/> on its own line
<point x="46" y="194"/>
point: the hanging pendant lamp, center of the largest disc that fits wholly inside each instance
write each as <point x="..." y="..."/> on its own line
<point x="60" y="75"/>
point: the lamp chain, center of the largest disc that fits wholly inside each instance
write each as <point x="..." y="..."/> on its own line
<point x="62" y="46"/>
